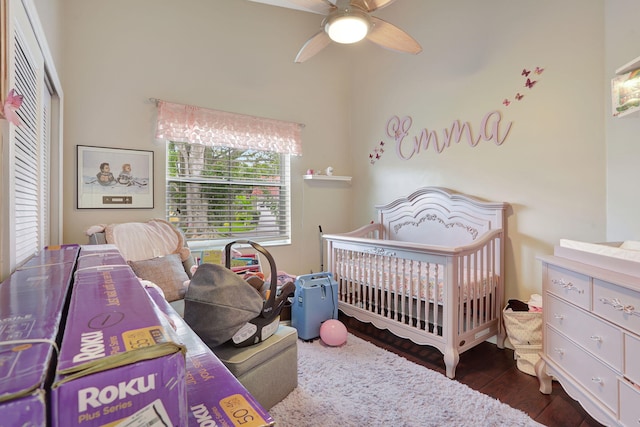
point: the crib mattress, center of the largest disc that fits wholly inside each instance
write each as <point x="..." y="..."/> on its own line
<point x="426" y="285"/>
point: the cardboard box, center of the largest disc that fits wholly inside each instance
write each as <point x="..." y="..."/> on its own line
<point x="29" y="411"/>
<point x="107" y="247"/>
<point x="32" y="302"/>
<point x="214" y="395"/>
<point x="120" y="361"/>
<point x="61" y="254"/>
<point x="108" y="255"/>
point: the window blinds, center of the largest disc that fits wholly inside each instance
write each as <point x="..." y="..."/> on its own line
<point x="29" y="142"/>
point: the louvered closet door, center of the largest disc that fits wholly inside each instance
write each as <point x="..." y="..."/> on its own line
<point x="28" y="146"/>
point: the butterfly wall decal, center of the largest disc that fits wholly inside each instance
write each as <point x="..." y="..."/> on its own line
<point x="376" y="153"/>
<point x="9" y="107"/>
<point x="529" y="83"/>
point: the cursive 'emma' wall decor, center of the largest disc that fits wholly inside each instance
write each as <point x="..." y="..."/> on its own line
<point x="491" y="129"/>
<point x="406" y="148"/>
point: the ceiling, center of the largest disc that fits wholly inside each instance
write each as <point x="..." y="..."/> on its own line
<point x="284" y="3"/>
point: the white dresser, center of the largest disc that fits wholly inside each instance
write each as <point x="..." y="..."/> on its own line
<point x="591" y="333"/>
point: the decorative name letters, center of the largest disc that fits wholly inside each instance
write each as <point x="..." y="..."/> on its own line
<point x="490" y="130"/>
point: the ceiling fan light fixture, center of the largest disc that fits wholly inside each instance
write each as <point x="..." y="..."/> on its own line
<point x="348" y="26"/>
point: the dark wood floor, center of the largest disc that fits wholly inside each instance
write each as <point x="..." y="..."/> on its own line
<point x="489" y="370"/>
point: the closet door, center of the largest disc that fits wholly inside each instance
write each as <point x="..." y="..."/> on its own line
<point x="25" y="148"/>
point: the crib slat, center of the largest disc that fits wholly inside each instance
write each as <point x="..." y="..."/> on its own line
<point x="428" y="297"/>
<point x="418" y="291"/>
<point x="393" y="271"/>
<point x="473" y="277"/>
<point x="373" y="283"/>
<point x="438" y="297"/>
<point x="484" y="286"/>
<point x="461" y="297"/>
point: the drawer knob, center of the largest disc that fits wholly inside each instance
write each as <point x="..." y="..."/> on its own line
<point x="596" y="338"/>
<point x="559" y="351"/>
<point x="616" y="304"/>
<point x="567" y="285"/>
<point x="558" y="316"/>
<point x="597" y="380"/>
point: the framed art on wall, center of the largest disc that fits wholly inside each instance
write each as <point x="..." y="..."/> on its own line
<point x="114" y="178"/>
<point x="625" y="93"/>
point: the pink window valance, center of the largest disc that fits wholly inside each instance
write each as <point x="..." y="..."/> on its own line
<point x="196" y="125"/>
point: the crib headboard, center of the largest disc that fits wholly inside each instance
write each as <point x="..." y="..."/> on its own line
<point x="439" y="216"/>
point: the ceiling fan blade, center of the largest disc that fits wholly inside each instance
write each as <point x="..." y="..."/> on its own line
<point x="322" y="7"/>
<point x="317" y="6"/>
<point x="391" y="37"/>
<point x="314" y="45"/>
<point x="371" y="5"/>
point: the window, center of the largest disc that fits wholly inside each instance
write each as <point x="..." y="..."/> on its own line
<point x="227" y="174"/>
<point x="218" y="194"/>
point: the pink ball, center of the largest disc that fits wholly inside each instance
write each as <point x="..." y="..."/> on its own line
<point x="333" y="332"/>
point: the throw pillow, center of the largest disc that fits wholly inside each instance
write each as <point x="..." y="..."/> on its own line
<point x="145" y="240"/>
<point x="167" y="272"/>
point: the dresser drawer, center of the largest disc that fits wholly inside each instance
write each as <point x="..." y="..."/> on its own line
<point x="629" y="404"/>
<point x="569" y="285"/>
<point x="594" y="375"/>
<point x="617" y="304"/>
<point x="631" y="358"/>
<point x="594" y="334"/>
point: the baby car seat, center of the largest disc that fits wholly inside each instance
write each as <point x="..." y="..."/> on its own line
<point x="221" y="306"/>
<point x="264" y="325"/>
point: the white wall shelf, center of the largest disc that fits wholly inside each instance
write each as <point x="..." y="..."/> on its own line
<point x="327" y="178"/>
<point x="626" y="68"/>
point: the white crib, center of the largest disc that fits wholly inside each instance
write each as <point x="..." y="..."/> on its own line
<point x="430" y="270"/>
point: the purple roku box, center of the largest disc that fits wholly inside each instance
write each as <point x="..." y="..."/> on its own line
<point x="61" y="254"/>
<point x="120" y="361"/>
<point x="108" y="255"/>
<point x="214" y="395"/>
<point x="28" y="411"/>
<point x="32" y="302"/>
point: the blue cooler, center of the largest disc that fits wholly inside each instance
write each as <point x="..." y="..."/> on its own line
<point x="315" y="300"/>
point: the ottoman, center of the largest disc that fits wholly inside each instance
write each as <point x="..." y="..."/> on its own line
<point x="269" y="370"/>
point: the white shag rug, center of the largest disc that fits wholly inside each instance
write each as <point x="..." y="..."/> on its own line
<point x="359" y="384"/>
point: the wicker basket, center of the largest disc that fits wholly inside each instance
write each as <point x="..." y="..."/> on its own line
<point x="524" y="329"/>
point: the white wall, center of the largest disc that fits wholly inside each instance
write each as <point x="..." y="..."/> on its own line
<point x="230" y="55"/>
<point x="622" y="134"/>
<point x="49" y="13"/>
<point x="552" y="167"/>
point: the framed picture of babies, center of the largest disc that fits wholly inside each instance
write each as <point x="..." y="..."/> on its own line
<point x="114" y="178"/>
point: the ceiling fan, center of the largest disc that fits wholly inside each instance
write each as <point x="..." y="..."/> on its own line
<point x="349" y="21"/>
